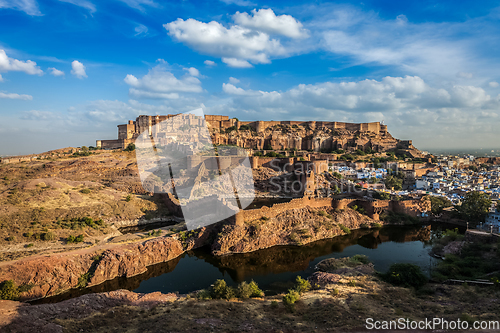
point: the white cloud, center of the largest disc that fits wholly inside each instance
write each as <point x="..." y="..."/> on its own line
<point x="56" y="72"/>
<point x="266" y="21"/>
<point x="412" y="108"/>
<point x="160" y="83"/>
<point x="1" y="78"/>
<point x="235" y="42"/>
<point x="193" y="71"/>
<point x="243" y="3"/>
<point x="141" y="29"/>
<point x="230" y="89"/>
<point x="139" y="4"/>
<point x="233" y="62"/>
<point x="9" y="64"/>
<point x="209" y="63"/>
<point x="493" y="84"/>
<point x="434" y="51"/>
<point x="16" y="96"/>
<point x="82" y="3"/>
<point x="233" y="80"/>
<point x="78" y="69"/>
<point x="30" y="7"/>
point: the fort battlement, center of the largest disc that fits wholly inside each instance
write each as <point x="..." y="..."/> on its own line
<point x="219" y="124"/>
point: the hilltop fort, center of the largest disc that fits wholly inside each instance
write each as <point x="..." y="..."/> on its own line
<point x="313" y="136"/>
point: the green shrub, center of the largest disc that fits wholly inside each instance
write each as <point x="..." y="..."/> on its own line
<point x="377" y="225"/>
<point x="28" y="234"/>
<point x="322" y="213"/>
<point x="335" y="292"/>
<point x="406" y="275"/>
<point x="83" y="280"/>
<point x="10" y="238"/>
<point x="274" y="305"/>
<point x="290" y="299"/>
<point x="360" y="258"/>
<point x="9" y="290"/>
<point x="128" y="198"/>
<point x="48" y="236"/>
<point x="29" y="245"/>
<point x="365" y="226"/>
<point x="256" y="291"/>
<point x="344" y="229"/>
<point x="130" y="147"/>
<point x="204" y="294"/>
<point x="351" y="283"/>
<point x="86" y="191"/>
<point x="302" y="285"/>
<point x="220" y="289"/>
<point x="73" y="239"/>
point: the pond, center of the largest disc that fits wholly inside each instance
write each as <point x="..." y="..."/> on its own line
<point x="275" y="269"/>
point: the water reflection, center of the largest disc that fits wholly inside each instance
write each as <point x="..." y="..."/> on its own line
<point x="274" y="267"/>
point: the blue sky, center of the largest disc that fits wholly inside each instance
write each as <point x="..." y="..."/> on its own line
<point x="71" y="70"/>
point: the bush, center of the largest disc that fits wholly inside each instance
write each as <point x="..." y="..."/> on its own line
<point x="86" y="191"/>
<point x="365" y="226"/>
<point x="73" y="239"/>
<point x="28" y="234"/>
<point x="377" y="225"/>
<point x="9" y="290"/>
<point x="29" y="245"/>
<point x="290" y="299"/>
<point x="344" y="229"/>
<point x="302" y="285"/>
<point x="130" y="147"/>
<point x="10" y="238"/>
<point x="220" y="289"/>
<point x="128" y="198"/>
<point x="360" y="258"/>
<point x="406" y="275"/>
<point x="246" y="290"/>
<point x="322" y="213"/>
<point x="48" y="236"/>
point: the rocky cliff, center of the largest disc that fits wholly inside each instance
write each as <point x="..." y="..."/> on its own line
<point x="52" y="274"/>
<point x="293" y="227"/>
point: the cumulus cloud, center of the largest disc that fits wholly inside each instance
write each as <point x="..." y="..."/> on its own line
<point x="78" y="69"/>
<point x="233" y="80"/>
<point x="55" y="72"/>
<point x="412" y="108"/>
<point x="229" y="88"/>
<point x="9" y="64"/>
<point x="30" y="7"/>
<point x="193" y="71"/>
<point x="82" y="3"/>
<point x="16" y="96"/>
<point x="209" y="63"/>
<point x="235" y="42"/>
<point x="265" y="20"/>
<point x="160" y="83"/>
<point x="493" y="84"/>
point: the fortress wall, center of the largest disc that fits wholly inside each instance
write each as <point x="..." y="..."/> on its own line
<point x="279" y="208"/>
<point x="411" y="207"/>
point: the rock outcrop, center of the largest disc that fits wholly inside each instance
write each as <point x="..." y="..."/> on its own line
<point x="292" y="227"/>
